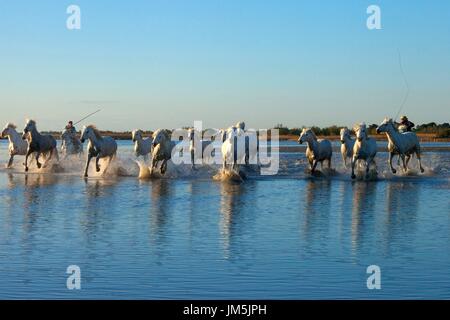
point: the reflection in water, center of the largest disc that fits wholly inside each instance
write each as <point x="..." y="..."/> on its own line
<point x="402" y="203"/>
<point x="161" y="195"/>
<point x="316" y="209"/>
<point x="100" y="204"/>
<point x="231" y="205"/>
<point x="196" y="204"/>
<point x="364" y="199"/>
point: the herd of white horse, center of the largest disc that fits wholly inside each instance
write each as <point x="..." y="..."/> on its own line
<point x="159" y="146"/>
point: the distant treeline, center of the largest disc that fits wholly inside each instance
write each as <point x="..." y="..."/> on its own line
<point x="439" y="130"/>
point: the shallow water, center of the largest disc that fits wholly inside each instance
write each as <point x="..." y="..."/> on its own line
<point x="288" y="236"/>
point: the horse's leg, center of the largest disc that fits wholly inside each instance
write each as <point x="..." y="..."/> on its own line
<point x="87" y="165"/>
<point x="193" y="159"/>
<point x="408" y="157"/>
<point x="97" y="165"/>
<point x="39" y="165"/>
<point x="344" y="160"/>
<point x="10" y="162"/>
<point x="420" y="161"/>
<point x="164" y="167"/>
<point x="110" y="160"/>
<point x="353" y="167"/>
<point x="29" y="152"/>
<point x="391" y="155"/>
<point x="329" y="163"/>
<point x="405" y="169"/>
<point x="368" y="161"/>
<point x="313" y="168"/>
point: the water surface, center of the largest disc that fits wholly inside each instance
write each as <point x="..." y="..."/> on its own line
<point x="188" y="237"/>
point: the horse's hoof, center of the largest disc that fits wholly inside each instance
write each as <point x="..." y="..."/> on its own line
<point x="98" y="169"/>
<point x="422" y="170"/>
<point x="26" y="169"/>
<point x="39" y="166"/>
<point x="353" y="176"/>
<point x="394" y="171"/>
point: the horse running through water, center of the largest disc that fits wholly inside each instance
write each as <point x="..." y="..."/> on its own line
<point x="347" y="144"/>
<point x="402" y="144"/>
<point x="233" y="147"/>
<point x="39" y="144"/>
<point x="17" y="146"/>
<point x="99" y="147"/>
<point x="162" y="149"/>
<point x="318" y="150"/>
<point x="365" y="148"/>
<point x="70" y="145"/>
<point x="142" y="147"/>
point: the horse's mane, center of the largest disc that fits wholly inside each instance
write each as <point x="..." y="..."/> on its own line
<point x="312" y="132"/>
<point x="165" y="132"/>
<point x="358" y="125"/>
<point x="95" y="130"/>
<point x="389" y="120"/>
<point x="31" y="121"/>
<point x="11" y="125"/>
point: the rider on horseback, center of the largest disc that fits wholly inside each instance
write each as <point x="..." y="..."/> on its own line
<point x="405" y="124"/>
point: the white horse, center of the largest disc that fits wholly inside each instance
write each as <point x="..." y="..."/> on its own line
<point x="162" y="149"/>
<point x="318" y="150"/>
<point x="196" y="143"/>
<point x="70" y="144"/>
<point x="142" y="147"/>
<point x="403" y="144"/>
<point x="99" y="147"/>
<point x="39" y="144"/>
<point x="17" y="146"/>
<point x="365" y="148"/>
<point x="347" y="144"/>
<point x="232" y="138"/>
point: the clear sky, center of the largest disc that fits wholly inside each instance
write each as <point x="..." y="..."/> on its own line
<point x="163" y="64"/>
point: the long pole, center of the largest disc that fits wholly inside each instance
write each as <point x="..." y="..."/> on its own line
<point x="406" y="84"/>
<point x="88" y="116"/>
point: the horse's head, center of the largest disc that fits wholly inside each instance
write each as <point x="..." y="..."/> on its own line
<point x="306" y="135"/>
<point x="86" y="133"/>
<point x="240" y="125"/>
<point x="345" y="133"/>
<point x="136" y="135"/>
<point x="158" y="137"/>
<point x="30" y="126"/>
<point x="360" y="131"/>
<point x="383" y="127"/>
<point x="7" y="130"/>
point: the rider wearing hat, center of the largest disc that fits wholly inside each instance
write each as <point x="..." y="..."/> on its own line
<point x="404" y="122"/>
<point x="70" y="127"/>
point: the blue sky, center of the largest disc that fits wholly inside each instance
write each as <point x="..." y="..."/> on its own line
<point x="152" y="64"/>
